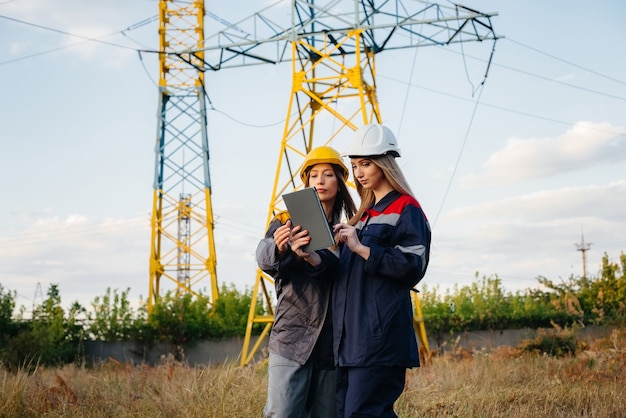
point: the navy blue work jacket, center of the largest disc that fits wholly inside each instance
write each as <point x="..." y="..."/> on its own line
<point x="372" y="310"/>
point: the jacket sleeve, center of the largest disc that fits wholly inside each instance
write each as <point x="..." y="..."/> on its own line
<point x="407" y="256"/>
<point x="267" y="256"/>
<point x="329" y="265"/>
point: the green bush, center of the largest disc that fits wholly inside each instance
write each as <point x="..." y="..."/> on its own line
<point x="484" y="305"/>
<point x="51" y="338"/>
<point x="555" y="342"/>
<point x="111" y="318"/>
<point x="8" y="328"/>
<point x="179" y="319"/>
<point x="187" y="318"/>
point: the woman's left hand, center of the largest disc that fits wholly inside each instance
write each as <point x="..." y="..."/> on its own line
<point x="298" y="239"/>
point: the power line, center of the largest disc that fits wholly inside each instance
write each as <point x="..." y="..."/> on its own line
<point x="562" y="82"/>
<point x="151" y="19"/>
<point x="467" y="132"/>
<point x="85" y="39"/>
<point x="458" y="159"/>
<point x="566" y="62"/>
<point x="37" y="54"/>
<point x="545" y="78"/>
<point x="505" y="109"/>
<point x="269" y="125"/>
<point x="477" y="102"/>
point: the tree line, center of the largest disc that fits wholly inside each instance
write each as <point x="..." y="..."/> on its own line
<point x="54" y="336"/>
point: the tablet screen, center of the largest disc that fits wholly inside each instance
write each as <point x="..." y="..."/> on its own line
<point x="305" y="209"/>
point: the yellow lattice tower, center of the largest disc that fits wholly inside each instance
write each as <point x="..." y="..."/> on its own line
<point x="182" y="248"/>
<point x="339" y="90"/>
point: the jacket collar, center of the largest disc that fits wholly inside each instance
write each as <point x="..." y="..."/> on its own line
<point x="386" y="201"/>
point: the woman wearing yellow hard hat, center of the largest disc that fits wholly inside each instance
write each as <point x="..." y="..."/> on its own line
<point x="301" y="371"/>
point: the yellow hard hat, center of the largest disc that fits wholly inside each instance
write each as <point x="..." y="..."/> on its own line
<point x="322" y="155"/>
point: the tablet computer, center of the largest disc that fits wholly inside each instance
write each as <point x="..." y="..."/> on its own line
<point x="305" y="209"/>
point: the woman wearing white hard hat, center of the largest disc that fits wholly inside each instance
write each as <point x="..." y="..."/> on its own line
<point x="301" y="371"/>
<point x="386" y="252"/>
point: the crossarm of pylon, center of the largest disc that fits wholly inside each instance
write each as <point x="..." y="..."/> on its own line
<point x="264" y="36"/>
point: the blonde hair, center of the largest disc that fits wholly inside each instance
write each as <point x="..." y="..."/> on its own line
<point x="393" y="174"/>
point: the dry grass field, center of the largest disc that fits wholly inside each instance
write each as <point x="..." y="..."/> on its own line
<point x="502" y="383"/>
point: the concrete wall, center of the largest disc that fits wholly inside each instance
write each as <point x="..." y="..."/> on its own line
<point x="215" y="352"/>
<point x="479" y="340"/>
<point x="200" y="353"/>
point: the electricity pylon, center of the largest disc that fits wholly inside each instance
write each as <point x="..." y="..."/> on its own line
<point x="332" y="47"/>
<point x="583" y="247"/>
<point x="324" y="89"/>
<point x="182" y="249"/>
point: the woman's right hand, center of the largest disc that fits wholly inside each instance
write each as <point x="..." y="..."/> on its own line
<point x="347" y="233"/>
<point x="281" y="236"/>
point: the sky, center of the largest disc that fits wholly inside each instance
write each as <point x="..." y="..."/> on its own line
<point x="511" y="173"/>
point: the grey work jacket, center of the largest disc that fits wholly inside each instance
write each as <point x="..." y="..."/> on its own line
<point x="302" y="328"/>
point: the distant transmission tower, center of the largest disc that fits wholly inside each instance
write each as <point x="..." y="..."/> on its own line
<point x="38" y="294"/>
<point x="583" y="247"/>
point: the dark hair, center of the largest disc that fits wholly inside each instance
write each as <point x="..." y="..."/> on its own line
<point x="343" y="201"/>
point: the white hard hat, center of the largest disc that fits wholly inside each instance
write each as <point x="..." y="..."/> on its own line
<point x="372" y="140"/>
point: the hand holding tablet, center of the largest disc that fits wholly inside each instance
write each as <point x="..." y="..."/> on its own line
<point x="305" y="209"/>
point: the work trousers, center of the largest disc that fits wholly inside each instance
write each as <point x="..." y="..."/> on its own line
<point x="296" y="391"/>
<point x="368" y="391"/>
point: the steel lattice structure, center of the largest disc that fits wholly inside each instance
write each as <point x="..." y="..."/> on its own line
<point x="182" y="247"/>
<point x="332" y="47"/>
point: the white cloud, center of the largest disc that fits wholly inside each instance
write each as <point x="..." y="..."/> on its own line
<point x="529" y="235"/>
<point x="585" y="144"/>
<point x="83" y="255"/>
<point x="86" y="255"/>
<point x="605" y="201"/>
